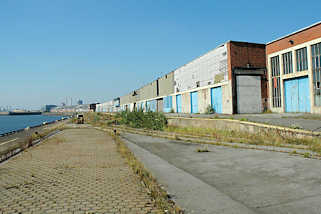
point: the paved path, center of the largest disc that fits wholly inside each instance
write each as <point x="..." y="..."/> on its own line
<point x="231" y="180"/>
<point x="294" y="120"/>
<point x="75" y="171"/>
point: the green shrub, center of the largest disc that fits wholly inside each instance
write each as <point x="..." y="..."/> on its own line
<point x="209" y="110"/>
<point x="140" y="119"/>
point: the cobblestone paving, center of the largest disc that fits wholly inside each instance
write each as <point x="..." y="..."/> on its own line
<point x="76" y="171"/>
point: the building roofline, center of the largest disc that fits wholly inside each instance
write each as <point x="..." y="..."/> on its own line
<point x="295" y="32"/>
<point x="240" y="42"/>
<point x="207" y="52"/>
<point x="222" y="44"/>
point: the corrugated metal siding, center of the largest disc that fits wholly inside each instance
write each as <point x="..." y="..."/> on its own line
<point x="166" y="84"/>
<point x="249" y="98"/>
<point x="216" y="99"/>
<point x="208" y="69"/>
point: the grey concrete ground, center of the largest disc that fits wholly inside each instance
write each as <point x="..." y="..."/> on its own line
<point x="231" y="180"/>
<point x="299" y="120"/>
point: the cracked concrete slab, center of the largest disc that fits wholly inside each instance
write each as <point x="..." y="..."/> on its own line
<point x="260" y="181"/>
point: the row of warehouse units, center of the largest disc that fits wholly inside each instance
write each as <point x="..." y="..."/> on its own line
<point x="238" y="77"/>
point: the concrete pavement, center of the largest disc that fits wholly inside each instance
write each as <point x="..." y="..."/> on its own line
<point x="231" y="180"/>
<point x="304" y="121"/>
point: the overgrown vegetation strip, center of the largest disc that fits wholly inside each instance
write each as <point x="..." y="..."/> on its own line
<point x="158" y="193"/>
<point x="194" y="139"/>
<point x="29" y="141"/>
<point x="271" y="141"/>
<point x="152" y="120"/>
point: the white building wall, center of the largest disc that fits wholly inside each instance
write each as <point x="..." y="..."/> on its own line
<point x="211" y="68"/>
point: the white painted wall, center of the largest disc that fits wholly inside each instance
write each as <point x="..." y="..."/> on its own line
<point x="208" y="69"/>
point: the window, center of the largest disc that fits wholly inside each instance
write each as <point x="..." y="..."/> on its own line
<point x="287" y="63"/>
<point x="276" y="89"/>
<point x="301" y="59"/>
<point x="316" y="70"/>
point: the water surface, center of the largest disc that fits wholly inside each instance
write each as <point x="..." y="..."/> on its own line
<point x="10" y="123"/>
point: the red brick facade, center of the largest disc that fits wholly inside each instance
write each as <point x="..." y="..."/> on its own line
<point x="247" y="55"/>
<point x="300" y="37"/>
<point x="240" y="54"/>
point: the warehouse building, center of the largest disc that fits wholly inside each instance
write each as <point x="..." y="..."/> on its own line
<point x="150" y="96"/>
<point x="230" y="79"/>
<point x="294" y="71"/>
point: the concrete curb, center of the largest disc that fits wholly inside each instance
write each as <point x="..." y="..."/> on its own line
<point x="200" y="140"/>
<point x="238" y="125"/>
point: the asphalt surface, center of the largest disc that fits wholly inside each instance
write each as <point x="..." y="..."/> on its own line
<point x="297" y="120"/>
<point x="231" y="180"/>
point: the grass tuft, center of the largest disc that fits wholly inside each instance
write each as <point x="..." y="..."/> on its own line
<point x="263" y="138"/>
<point x="156" y="191"/>
<point x="202" y="150"/>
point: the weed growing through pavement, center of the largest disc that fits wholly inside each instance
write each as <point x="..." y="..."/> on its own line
<point x="263" y="138"/>
<point x="267" y="138"/>
<point x="160" y="196"/>
<point x="294" y="152"/>
<point x="205" y="149"/>
<point x="307" y="155"/>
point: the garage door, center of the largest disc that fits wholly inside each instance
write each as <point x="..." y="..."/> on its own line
<point x="167" y="104"/>
<point x="248" y="90"/>
<point x="160" y="104"/>
<point x="151" y="105"/>
<point x="179" y="103"/>
<point x="194" y="102"/>
<point x="297" y="95"/>
<point x="216" y="99"/>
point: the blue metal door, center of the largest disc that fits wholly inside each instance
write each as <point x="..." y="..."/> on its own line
<point x="167" y="104"/>
<point x="179" y="103"/>
<point x="304" y="95"/>
<point x="151" y="105"/>
<point x="216" y="99"/>
<point x="297" y="95"/>
<point x="194" y="102"/>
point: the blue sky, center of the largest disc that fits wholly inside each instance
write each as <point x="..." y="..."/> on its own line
<point x="94" y="50"/>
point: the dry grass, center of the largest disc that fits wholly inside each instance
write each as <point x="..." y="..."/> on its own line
<point x="100" y="119"/>
<point x="160" y="196"/>
<point x="205" y="149"/>
<point x="57" y="139"/>
<point x="263" y="138"/>
<point x="40" y="135"/>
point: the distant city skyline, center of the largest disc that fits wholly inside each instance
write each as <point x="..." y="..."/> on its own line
<point x="98" y="50"/>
